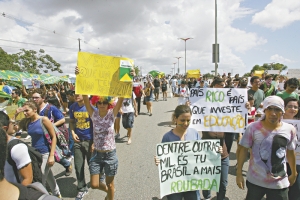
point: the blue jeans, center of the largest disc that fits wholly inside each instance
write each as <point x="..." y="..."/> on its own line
<point x="71" y="142"/>
<point x="223" y="182"/>
<point x="64" y="162"/>
<point x="294" y="190"/>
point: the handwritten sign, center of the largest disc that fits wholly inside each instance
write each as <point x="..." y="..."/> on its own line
<point x="219" y="109"/>
<point x="189" y="165"/>
<point x="100" y="75"/>
<point x="296" y="124"/>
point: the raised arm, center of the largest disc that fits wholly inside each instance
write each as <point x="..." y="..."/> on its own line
<point x="88" y="105"/>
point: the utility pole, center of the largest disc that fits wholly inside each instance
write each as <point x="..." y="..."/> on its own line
<point x="79" y="43"/>
<point x="216" y="41"/>
<point x="174" y="67"/>
<point x="185" y="39"/>
<point x="178" y="63"/>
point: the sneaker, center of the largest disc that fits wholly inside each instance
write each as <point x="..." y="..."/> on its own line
<point x="80" y="195"/>
<point x="69" y="170"/>
<point x="117" y="136"/>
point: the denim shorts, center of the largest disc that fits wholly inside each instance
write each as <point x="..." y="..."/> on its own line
<point x="128" y="119"/>
<point x="106" y="162"/>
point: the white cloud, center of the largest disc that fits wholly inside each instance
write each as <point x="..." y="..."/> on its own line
<point x="280" y="59"/>
<point x="278" y="14"/>
<point x="146" y="31"/>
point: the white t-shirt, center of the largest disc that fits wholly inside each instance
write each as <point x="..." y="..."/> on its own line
<point x="174" y="81"/>
<point x="185" y="92"/>
<point x="127" y="105"/>
<point x="19" y="154"/>
<point x="280" y="85"/>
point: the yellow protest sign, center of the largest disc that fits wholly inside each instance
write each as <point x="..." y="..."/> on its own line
<point x="104" y="75"/>
<point x="193" y="73"/>
<point x="258" y="73"/>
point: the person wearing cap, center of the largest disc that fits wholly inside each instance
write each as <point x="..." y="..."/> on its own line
<point x="273" y="143"/>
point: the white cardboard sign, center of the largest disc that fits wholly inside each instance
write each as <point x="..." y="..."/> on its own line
<point x="219" y="109"/>
<point x="296" y="124"/>
<point x="189" y="165"/>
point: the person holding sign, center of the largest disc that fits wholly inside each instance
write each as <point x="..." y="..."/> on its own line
<point x="104" y="156"/>
<point x="291" y="105"/>
<point x="273" y="143"/>
<point x="181" y="117"/>
<point x="219" y="83"/>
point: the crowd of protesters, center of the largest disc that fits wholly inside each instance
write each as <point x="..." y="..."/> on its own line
<point x="95" y="125"/>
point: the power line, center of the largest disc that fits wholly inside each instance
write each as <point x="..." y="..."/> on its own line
<point x="44" y="45"/>
<point x="32" y="24"/>
<point x="51" y="31"/>
<point x="22" y="47"/>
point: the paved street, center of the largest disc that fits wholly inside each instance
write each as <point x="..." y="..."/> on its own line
<point x="137" y="176"/>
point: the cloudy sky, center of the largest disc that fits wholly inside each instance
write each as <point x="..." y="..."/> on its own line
<point x="249" y="31"/>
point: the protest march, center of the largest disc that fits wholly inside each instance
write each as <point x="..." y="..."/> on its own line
<point x="138" y="100"/>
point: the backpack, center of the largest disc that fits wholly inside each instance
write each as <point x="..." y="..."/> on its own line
<point x="62" y="148"/>
<point x="62" y="127"/>
<point x="137" y="91"/>
<point x="36" y="160"/>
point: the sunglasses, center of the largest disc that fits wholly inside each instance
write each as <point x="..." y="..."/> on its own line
<point x="102" y="103"/>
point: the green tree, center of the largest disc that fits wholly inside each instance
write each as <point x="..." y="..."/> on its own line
<point x="137" y="70"/>
<point x="269" y="66"/>
<point x="208" y="75"/>
<point x="247" y="74"/>
<point x="33" y="62"/>
<point x="7" y="61"/>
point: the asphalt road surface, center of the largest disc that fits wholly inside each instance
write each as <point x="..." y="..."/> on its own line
<point x="137" y="177"/>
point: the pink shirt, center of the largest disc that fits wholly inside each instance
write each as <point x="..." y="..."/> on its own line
<point x="103" y="131"/>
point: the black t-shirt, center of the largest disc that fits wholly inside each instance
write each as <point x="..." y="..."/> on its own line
<point x="27" y="193"/>
<point x="156" y="83"/>
<point x="191" y="84"/>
